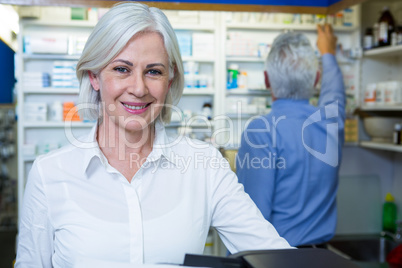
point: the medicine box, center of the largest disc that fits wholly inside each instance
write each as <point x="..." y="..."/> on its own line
<point x="184" y="40"/>
<point x="203" y="45"/>
<point x="45" y="45"/>
<point x="35" y="111"/>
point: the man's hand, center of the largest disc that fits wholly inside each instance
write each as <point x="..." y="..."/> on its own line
<point x="326" y="41"/>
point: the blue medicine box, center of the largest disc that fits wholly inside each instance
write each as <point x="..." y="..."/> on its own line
<point x="185" y="43"/>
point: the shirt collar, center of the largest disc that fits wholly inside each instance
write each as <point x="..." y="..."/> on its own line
<point x="91" y="148"/>
<point x="161" y="146"/>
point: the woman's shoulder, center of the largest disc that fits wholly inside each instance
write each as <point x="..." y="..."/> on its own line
<point x="64" y="153"/>
<point x="183" y="145"/>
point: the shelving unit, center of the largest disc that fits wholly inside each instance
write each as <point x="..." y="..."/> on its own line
<point x="50" y="90"/>
<point x="198" y="92"/>
<point x="382" y="108"/>
<point x="57" y="124"/>
<point x="244" y="59"/>
<point x="198" y="59"/>
<point x="379" y="65"/>
<point x="381" y="146"/>
<point x="194" y="27"/>
<point x="50" y="57"/>
<point x="61" y="23"/>
<point x="30" y="132"/>
<point x="248" y="92"/>
<point x="348" y="36"/>
<point x="278" y="26"/>
<point x="210" y="124"/>
<point x="393" y="51"/>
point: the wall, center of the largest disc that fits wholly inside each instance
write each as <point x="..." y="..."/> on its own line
<point x="397" y="183"/>
<point x="365" y="177"/>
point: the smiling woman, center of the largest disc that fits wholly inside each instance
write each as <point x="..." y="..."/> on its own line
<point x="99" y="53"/>
<point x="126" y="192"/>
<point x="133" y="87"/>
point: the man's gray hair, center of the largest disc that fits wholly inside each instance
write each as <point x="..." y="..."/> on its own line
<point x="292" y="66"/>
<point x="110" y="35"/>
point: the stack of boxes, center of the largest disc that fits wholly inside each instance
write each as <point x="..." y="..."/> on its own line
<point x="199" y="45"/>
<point x="64" y="74"/>
<point x="35" y="111"/>
<point x="238" y="44"/>
<point x="203" y="45"/>
<point x="35" y="79"/>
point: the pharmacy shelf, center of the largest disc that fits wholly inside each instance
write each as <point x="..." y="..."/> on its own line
<point x="191" y="125"/>
<point x="50" y="57"/>
<point x="351" y="144"/>
<point x="381" y="146"/>
<point x="55" y="23"/>
<point x="244" y="59"/>
<point x="30" y="158"/>
<point x="51" y="90"/>
<point x="199" y="59"/>
<point x="382" y="108"/>
<point x="248" y="92"/>
<point x="198" y="92"/>
<point x="391" y="51"/>
<point x="275" y="27"/>
<point x="194" y="27"/>
<point x="57" y="124"/>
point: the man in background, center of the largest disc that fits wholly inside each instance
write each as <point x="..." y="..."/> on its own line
<point x="289" y="159"/>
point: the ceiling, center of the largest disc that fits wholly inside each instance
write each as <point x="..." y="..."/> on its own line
<point x="287" y="6"/>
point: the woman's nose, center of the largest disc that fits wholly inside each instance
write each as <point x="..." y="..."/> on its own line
<point x="137" y="86"/>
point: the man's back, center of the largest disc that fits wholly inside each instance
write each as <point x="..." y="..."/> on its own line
<point x="295" y="191"/>
<point x="289" y="159"/>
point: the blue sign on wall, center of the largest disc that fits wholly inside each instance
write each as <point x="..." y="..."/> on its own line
<point x="7" y="77"/>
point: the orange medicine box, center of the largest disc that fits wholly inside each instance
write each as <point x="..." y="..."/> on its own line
<point x="70" y="112"/>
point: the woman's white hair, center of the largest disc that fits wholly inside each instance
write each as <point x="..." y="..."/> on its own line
<point x="292" y="66"/>
<point x="110" y="35"/>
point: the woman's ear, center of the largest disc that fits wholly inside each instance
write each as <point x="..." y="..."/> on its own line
<point x="171" y="80"/>
<point x="93" y="78"/>
<point x="170" y="83"/>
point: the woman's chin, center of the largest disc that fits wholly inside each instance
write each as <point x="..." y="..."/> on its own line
<point x="134" y="125"/>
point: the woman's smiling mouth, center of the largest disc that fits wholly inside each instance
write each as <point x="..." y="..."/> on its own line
<point x="135" y="108"/>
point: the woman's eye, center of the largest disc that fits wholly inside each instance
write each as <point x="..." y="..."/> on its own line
<point x="154" y="72"/>
<point x="121" y="69"/>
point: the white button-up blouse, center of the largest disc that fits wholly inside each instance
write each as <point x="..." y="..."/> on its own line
<point x="76" y="206"/>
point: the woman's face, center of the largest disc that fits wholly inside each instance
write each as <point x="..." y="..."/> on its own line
<point x="134" y="85"/>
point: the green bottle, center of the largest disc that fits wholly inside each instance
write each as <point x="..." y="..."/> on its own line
<point x="389" y="214"/>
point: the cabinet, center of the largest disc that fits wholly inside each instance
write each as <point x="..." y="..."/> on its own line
<point x="247" y="45"/>
<point x="36" y="133"/>
<point x="201" y="73"/>
<point x="380" y="65"/>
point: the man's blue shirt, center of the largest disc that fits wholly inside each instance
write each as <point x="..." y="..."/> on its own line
<point x="289" y="159"/>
